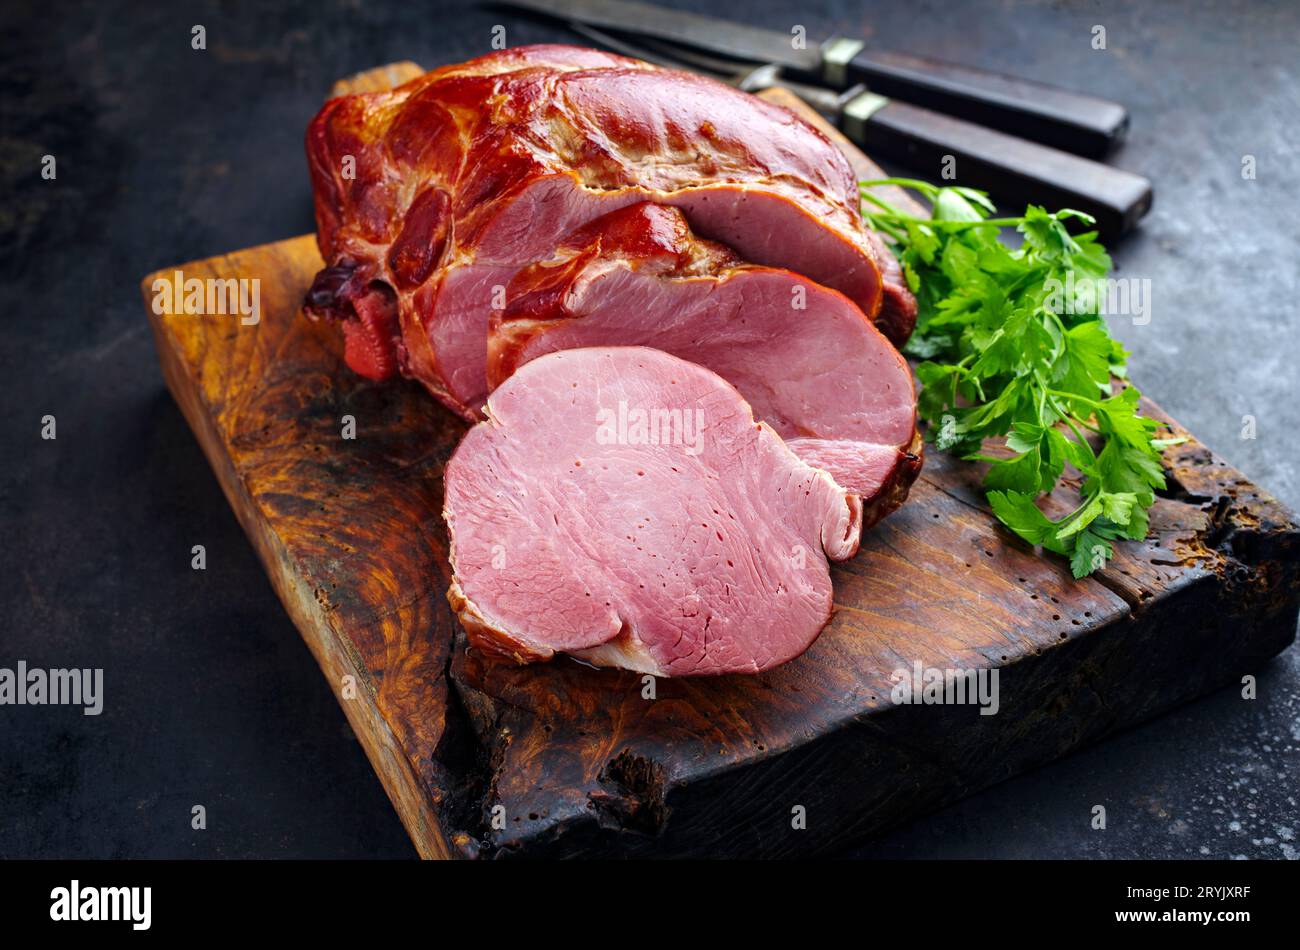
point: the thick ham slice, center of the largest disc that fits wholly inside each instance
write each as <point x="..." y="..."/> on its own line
<point x="806" y="359"/>
<point x="444" y="188"/>
<point x="621" y="505"/>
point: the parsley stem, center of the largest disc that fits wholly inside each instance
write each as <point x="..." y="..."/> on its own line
<point x="1069" y="421"/>
<point x="915" y="184"/>
<point x="1075" y="396"/>
<point x="1087" y="425"/>
<point x="878" y="202"/>
<point x="944" y="225"/>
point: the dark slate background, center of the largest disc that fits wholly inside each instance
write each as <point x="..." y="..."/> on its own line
<point x="166" y="154"/>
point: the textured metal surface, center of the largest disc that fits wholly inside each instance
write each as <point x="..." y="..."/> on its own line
<point x="167" y="153"/>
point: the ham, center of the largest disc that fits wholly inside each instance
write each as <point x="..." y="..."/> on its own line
<point x="659" y="296"/>
<point x="621" y="505"/>
<point x="439" y="192"/>
<point x="807" y="360"/>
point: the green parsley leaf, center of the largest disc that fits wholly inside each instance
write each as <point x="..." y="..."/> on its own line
<point x="1014" y="346"/>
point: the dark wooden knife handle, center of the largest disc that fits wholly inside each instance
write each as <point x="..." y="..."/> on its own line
<point x="1066" y="120"/>
<point x="1011" y="169"/>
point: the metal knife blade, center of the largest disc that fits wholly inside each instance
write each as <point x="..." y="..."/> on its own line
<point x="737" y="40"/>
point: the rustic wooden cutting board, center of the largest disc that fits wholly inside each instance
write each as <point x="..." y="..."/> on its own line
<point x="560" y="759"/>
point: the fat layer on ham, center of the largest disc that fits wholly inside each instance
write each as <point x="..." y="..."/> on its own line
<point x="623" y="506"/>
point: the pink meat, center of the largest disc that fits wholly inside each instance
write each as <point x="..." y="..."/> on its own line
<point x="446" y="186"/>
<point x="621" y="505"/>
<point x="805" y="357"/>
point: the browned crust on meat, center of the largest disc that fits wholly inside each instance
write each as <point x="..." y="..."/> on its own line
<point x="487" y="637"/>
<point x="897" y="315"/>
<point x="895" y="489"/>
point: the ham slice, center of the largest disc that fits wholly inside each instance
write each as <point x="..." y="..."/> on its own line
<point x="807" y="360"/>
<point x="622" y="506"/>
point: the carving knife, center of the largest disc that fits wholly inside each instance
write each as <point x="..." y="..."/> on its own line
<point x="1066" y="120"/>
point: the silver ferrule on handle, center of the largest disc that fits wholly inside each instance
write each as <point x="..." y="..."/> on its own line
<point x="837" y="53"/>
<point x="857" y="110"/>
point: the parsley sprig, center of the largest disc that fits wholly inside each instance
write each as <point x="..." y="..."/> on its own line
<point x="1013" y="345"/>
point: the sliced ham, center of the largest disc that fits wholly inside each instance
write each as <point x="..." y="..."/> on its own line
<point x="805" y="357"/>
<point x="621" y="505"/>
<point x="444" y="188"/>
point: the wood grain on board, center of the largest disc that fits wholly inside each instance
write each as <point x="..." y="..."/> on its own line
<point x="481" y="759"/>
